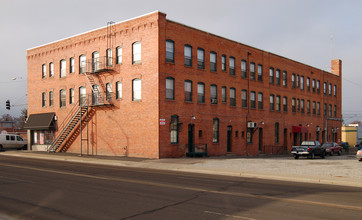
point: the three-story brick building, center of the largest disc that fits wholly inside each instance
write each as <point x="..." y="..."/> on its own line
<point x="151" y="87"/>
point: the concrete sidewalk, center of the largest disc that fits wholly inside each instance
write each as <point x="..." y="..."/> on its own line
<point x="337" y="170"/>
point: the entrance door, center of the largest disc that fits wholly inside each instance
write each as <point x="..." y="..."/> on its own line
<point x="230" y="128"/>
<point x="191" y="138"/>
<point x="260" y="139"/>
<point x="295" y="139"/>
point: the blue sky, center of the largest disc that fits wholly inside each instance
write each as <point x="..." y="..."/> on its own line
<point x="311" y="32"/>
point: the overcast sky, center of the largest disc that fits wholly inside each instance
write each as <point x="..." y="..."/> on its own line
<point x="312" y="32"/>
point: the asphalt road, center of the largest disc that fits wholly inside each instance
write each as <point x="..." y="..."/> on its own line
<point x="44" y="189"/>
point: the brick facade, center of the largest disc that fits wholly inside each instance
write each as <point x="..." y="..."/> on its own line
<point x="136" y="128"/>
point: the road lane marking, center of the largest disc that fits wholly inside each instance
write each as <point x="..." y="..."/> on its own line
<point x="226" y="215"/>
<point x="238" y="194"/>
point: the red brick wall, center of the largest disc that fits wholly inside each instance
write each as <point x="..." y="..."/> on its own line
<point x="234" y="116"/>
<point x="129" y="127"/>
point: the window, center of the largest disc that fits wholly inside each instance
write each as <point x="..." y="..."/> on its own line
<point x="318" y="86"/>
<point x="302" y="106"/>
<point x="285" y="82"/>
<point x="188" y="91"/>
<point x="95" y="61"/>
<point x="215" y="131"/>
<point x="109" y="91"/>
<point x="62" y="98"/>
<point x="213" y="64"/>
<point x="51" y="98"/>
<point x="51" y="69"/>
<point x="335" y="90"/>
<point x="82" y="63"/>
<point x="293" y="105"/>
<point x="260" y="100"/>
<point x="252" y="71"/>
<point x="244" y="101"/>
<point x="136" y="89"/>
<point x="200" y="58"/>
<point x="276" y="132"/>
<point x="277" y="102"/>
<point x="277" y="77"/>
<point x="119" y="55"/>
<point x="213" y="94"/>
<point x="71" y="65"/>
<point x="109" y="57"/>
<point x="314" y="107"/>
<point x="170" y="91"/>
<point x="43" y="99"/>
<point x="271" y="75"/>
<point x="243" y="69"/>
<point x="188" y="55"/>
<point x="313" y="85"/>
<point x="285" y="104"/>
<point x="63" y="70"/>
<point x="318" y="108"/>
<point x="252" y="100"/>
<point x="293" y="80"/>
<point x="119" y="90"/>
<point x="82" y="96"/>
<point x="232" y="66"/>
<point x="325" y="88"/>
<point x="271" y="102"/>
<point x="174" y="129"/>
<point x="200" y="92"/>
<point x="260" y="72"/>
<point x="96" y="97"/>
<point x="308" y="84"/>
<point x="170" y="51"/>
<point x="335" y="111"/>
<point x="136" y="52"/>
<point x="223" y="62"/>
<point x="325" y="109"/>
<point x="298" y="105"/>
<point x="330" y="110"/>
<point x="330" y="89"/>
<point x="71" y="96"/>
<point x="302" y="83"/>
<point x="44" y="71"/>
<point x="308" y="107"/>
<point x="223" y="94"/>
<point x="232" y="97"/>
<point x="297" y="80"/>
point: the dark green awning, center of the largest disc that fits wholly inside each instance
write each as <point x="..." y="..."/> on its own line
<point x="43" y="121"/>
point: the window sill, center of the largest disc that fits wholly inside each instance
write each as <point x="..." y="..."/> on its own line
<point x="170" y="100"/>
<point x="170" y="62"/>
<point x="189" y="102"/>
<point x="137" y="63"/>
<point x="187" y="66"/>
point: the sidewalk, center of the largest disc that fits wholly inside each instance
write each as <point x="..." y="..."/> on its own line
<point x="342" y="170"/>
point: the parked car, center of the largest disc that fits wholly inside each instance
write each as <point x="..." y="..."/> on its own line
<point x="308" y="149"/>
<point x="332" y="148"/>
<point x="12" y="141"/>
<point x="359" y="155"/>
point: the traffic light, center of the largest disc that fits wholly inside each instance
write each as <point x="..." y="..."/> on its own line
<point x="8" y="104"/>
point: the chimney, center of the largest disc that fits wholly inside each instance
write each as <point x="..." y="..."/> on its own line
<point x="336" y="67"/>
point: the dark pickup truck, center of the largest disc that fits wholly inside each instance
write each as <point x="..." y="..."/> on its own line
<point x="308" y="149"/>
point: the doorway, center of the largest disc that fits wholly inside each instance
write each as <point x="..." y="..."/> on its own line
<point x="260" y="139"/>
<point x="229" y="135"/>
<point x="191" y="133"/>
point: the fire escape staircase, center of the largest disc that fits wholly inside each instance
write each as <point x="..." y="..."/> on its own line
<point x="72" y="120"/>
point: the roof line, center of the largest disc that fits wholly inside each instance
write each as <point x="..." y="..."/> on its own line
<point x="93" y="30"/>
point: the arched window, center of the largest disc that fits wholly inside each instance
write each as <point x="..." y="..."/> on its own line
<point x="170" y="88"/>
<point x="170" y="51"/>
<point x="136" y="89"/>
<point x="63" y="68"/>
<point x="95" y="61"/>
<point x="82" y="96"/>
<point x="109" y="91"/>
<point x="119" y="90"/>
<point x="136" y="52"/>
<point x="62" y="98"/>
<point x="82" y="63"/>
